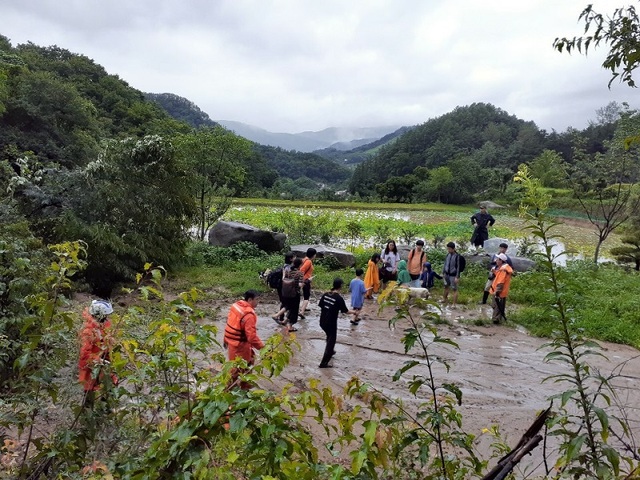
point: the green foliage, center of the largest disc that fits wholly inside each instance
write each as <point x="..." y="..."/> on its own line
<point x="548" y="168"/>
<point x="437" y="424"/>
<point x="213" y="158"/>
<point x="133" y="206"/>
<point x="619" y="31"/>
<point x="584" y="437"/>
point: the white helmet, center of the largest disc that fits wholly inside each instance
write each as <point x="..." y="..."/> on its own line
<point x="100" y="308"/>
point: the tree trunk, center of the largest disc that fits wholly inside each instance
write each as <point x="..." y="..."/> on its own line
<point x="597" y="254"/>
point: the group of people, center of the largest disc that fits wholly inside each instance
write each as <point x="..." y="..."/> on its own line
<point x="387" y="266"/>
<point x="240" y="335"/>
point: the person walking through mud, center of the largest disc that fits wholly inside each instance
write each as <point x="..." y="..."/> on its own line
<point x="372" y="277"/>
<point x="358" y="291"/>
<point x="482" y="221"/>
<point x="500" y="287"/>
<point x="288" y="261"/>
<point x="390" y="258"/>
<point x="240" y="335"/>
<point x="307" y="270"/>
<point x="96" y="340"/>
<point x="291" y="284"/>
<point x="331" y="304"/>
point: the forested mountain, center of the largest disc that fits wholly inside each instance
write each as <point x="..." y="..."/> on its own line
<point x="182" y="109"/>
<point x="362" y="152"/>
<point x="295" y="165"/>
<point x="59" y="105"/>
<point x="467" y="151"/>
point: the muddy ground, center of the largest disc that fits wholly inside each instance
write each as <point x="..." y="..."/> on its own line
<point x="500" y="369"/>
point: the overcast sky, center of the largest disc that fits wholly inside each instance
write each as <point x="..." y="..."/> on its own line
<point x="294" y="65"/>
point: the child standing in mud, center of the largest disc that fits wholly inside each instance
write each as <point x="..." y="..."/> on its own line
<point x="358" y="291"/>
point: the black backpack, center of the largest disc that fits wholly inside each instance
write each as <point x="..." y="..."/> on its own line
<point x="274" y="279"/>
<point x="462" y="264"/>
<point x="290" y="288"/>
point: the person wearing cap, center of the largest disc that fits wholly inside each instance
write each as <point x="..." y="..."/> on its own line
<point x="451" y="273"/>
<point x="492" y="266"/>
<point x="482" y="221"/>
<point x="500" y="287"/>
<point x="331" y="305"/>
<point x="240" y="335"/>
<point x="417" y="257"/>
<point x="96" y="338"/>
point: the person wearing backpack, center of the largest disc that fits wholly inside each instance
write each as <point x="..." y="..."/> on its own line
<point x="291" y="283"/>
<point x="275" y="281"/>
<point x="454" y="265"/>
<point x="417" y="257"/>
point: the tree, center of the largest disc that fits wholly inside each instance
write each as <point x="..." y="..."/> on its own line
<point x="605" y="184"/>
<point x="437" y="187"/>
<point x="629" y="252"/>
<point x="131" y="206"/>
<point x="620" y="32"/>
<point x="215" y="160"/>
<point x="548" y="168"/>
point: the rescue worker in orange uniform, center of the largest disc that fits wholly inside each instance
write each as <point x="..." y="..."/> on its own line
<point x="96" y="342"/>
<point x="240" y="335"/>
<point x="500" y="287"/>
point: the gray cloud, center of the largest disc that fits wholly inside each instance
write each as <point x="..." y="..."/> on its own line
<point x="287" y="65"/>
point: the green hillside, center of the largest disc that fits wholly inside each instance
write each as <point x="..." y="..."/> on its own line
<point x="473" y="150"/>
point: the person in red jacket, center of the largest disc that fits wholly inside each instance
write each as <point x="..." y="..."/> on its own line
<point x="240" y="335"/>
<point x="96" y="343"/>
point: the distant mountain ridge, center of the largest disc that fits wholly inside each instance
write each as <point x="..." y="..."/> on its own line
<point x="308" y="141"/>
<point x="362" y="152"/>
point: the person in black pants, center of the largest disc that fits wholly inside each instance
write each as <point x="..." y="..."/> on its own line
<point x="331" y="304"/>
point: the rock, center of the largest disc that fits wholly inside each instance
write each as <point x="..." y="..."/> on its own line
<point x="492" y="245"/>
<point x="225" y="234"/>
<point x="345" y="258"/>
<point x="489" y="204"/>
<point x="523" y="264"/>
<point x="417" y="292"/>
<point x="520" y="264"/>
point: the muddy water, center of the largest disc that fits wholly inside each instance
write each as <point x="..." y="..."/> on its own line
<point x="499" y="369"/>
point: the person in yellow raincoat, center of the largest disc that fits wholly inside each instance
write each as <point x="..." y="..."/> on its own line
<point x="372" y="277"/>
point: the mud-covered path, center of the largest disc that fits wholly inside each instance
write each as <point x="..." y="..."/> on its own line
<point x="499" y="369"/>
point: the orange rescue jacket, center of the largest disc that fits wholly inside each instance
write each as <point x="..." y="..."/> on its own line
<point x="241" y="326"/>
<point x="503" y="277"/>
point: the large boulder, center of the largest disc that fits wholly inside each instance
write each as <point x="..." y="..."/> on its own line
<point x="492" y="245"/>
<point x="489" y="204"/>
<point x="225" y="234"/>
<point x="345" y="258"/>
<point x="520" y="264"/>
